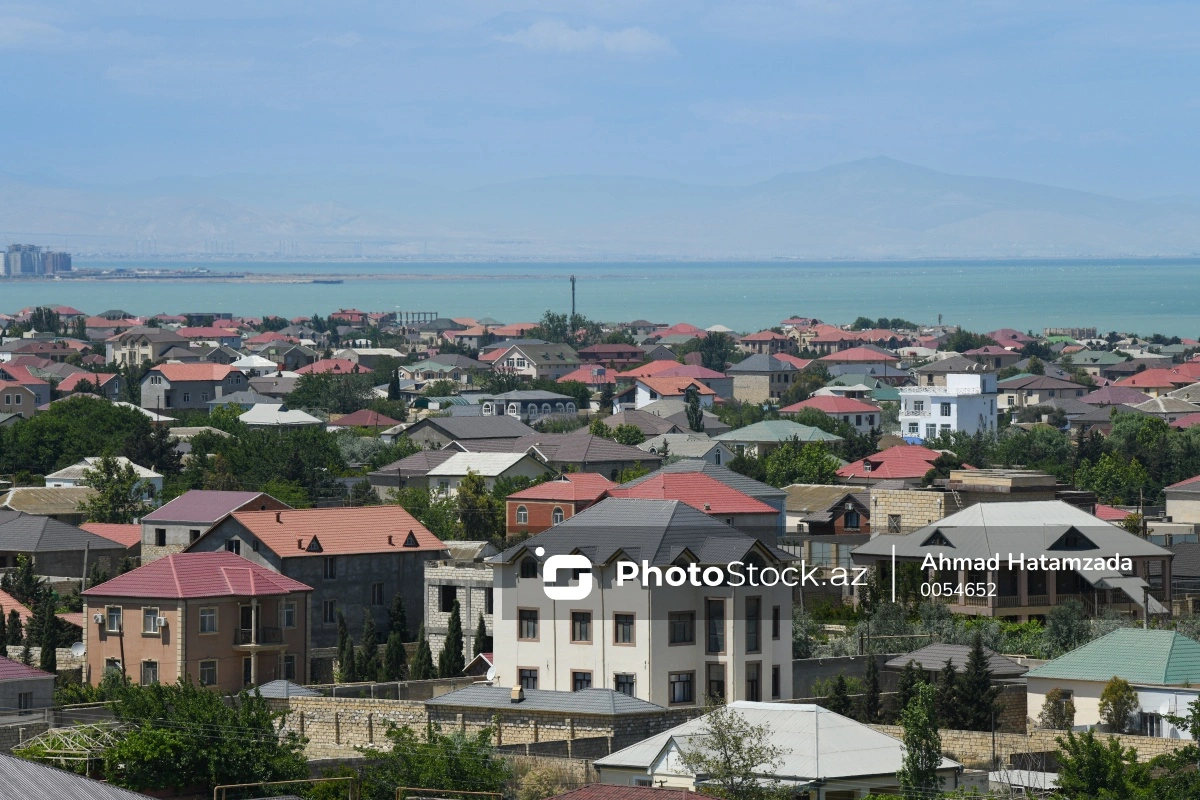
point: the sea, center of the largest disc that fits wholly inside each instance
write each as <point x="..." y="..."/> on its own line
<point x="1130" y="295"/>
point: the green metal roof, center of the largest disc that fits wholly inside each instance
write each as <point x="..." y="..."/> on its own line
<point x="777" y="430"/>
<point x="1162" y="658"/>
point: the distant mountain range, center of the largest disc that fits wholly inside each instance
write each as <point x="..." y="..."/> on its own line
<point x="875" y="208"/>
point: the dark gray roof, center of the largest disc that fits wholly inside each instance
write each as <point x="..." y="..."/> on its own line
<point x="953" y="364"/>
<point x="588" y="701"/>
<point x="648" y="424"/>
<point x="1186" y="563"/>
<point x="1102" y="414"/>
<point x="1071" y="406"/>
<point x="505" y="427"/>
<point x="734" y="480"/>
<point x="761" y="362"/>
<point x="529" y="394"/>
<point x="244" y="397"/>
<point x="579" y="447"/>
<point x="418" y="463"/>
<point x="28" y="533"/>
<point x="657" y="531"/>
<point x="932" y="658"/>
<point x="31" y="781"/>
<point x="1038" y="382"/>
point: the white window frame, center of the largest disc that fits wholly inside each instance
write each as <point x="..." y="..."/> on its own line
<point x="215" y="617"/>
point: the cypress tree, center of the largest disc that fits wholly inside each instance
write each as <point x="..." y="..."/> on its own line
<point x="367" y="666"/>
<point x="912" y="677"/>
<point x="345" y="651"/>
<point x="922" y="747"/>
<point x="482" y="643"/>
<point x="947" y="697"/>
<point x="870" y="701"/>
<point x="451" y="662"/>
<point x="27" y="654"/>
<point x="977" y="696"/>
<point x="394" y="386"/>
<point x="3" y="630"/>
<point x="838" y="700"/>
<point x="397" y="618"/>
<point x="13" y="634"/>
<point x="422" y="663"/>
<point x="395" y="659"/>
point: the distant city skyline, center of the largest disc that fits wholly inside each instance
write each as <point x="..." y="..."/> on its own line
<point x="1096" y="96"/>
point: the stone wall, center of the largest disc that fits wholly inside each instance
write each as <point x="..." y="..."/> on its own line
<point x="751" y="388"/>
<point x="916" y="508"/>
<point x="13" y="734"/>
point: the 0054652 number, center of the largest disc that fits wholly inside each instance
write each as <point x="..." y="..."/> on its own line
<point x="958" y="590"/>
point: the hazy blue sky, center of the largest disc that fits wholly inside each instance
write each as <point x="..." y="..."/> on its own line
<point x="1093" y="95"/>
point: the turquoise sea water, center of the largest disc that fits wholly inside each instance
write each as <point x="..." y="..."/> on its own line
<point x="1145" y="296"/>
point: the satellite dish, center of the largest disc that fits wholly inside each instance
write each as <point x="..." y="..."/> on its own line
<point x="78" y="649"/>
<point x="491" y="674"/>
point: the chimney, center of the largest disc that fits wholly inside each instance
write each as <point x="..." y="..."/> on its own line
<point x="518" y="695"/>
<point x="390" y="542"/>
<point x="279" y="517"/>
<point x="707" y="507"/>
<point x="299" y="544"/>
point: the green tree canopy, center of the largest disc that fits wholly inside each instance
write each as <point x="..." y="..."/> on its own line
<point x="922" y="746"/>
<point x="119" y="492"/>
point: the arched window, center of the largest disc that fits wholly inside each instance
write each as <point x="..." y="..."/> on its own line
<point x="529" y="567"/>
<point x="559" y="407"/>
<point x="556" y="516"/>
<point x="547" y="408"/>
<point x="570" y="408"/>
<point x="487" y="409"/>
<point x="514" y="409"/>
<point x="522" y="515"/>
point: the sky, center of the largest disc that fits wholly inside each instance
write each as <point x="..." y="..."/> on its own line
<point x="458" y="93"/>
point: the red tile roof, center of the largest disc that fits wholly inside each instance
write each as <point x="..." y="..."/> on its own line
<point x="365" y="418"/>
<point x="861" y="355"/>
<point x="98" y="378"/>
<point x="207" y="506"/>
<point x="672" y="387"/>
<point x="648" y="369"/>
<point x="1155" y="378"/>
<point x="71" y="618"/>
<point x="210" y="332"/>
<point x="1183" y="423"/>
<point x="831" y="404"/>
<point x="14" y="671"/>
<point x="574" y="486"/>
<point x="270" y="336"/>
<point x="1185" y="482"/>
<point x="795" y="361"/>
<point x="336" y="365"/>
<point x="900" y="462"/>
<point x="587" y="374"/>
<point x="1110" y="514"/>
<point x="764" y="336"/>
<point x="338" y="531"/>
<point x="9" y="603"/>
<point x="127" y="535"/>
<point x="687" y="371"/>
<point x="194" y="372"/>
<point x="21" y="375"/>
<point x="182" y="576"/>
<point x="697" y="490"/>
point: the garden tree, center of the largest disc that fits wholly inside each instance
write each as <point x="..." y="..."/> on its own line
<point x="49" y="634"/>
<point x="395" y="659"/>
<point x="480" y="514"/>
<point x="941" y="468"/>
<point x="977" y="697"/>
<point x="1132" y="523"/>
<point x="422" y="663"/>
<point x="804" y="633"/>
<point x="607" y="394"/>
<point x="118" y="497"/>
<point x="27" y="653"/>
<point x="219" y="475"/>
<point x="22" y="582"/>
<point x="869" y="712"/>
<point x="749" y="466"/>
<point x="447" y="763"/>
<point x="438" y="513"/>
<point x="1040" y="448"/>
<point x="451" y="661"/>
<point x="1113" y="480"/>
<point x="798" y="462"/>
<point x="961" y="341"/>
<point x="346" y="671"/>
<point x="628" y="434"/>
<point x="1118" y="704"/>
<point x="393" y="392"/>
<point x="1035" y="366"/>
<point x="182" y="735"/>
<point x="363" y="494"/>
<point x="573" y="329"/>
<point x="1058" y="711"/>
<point x="599" y="428"/>
<point x="911" y="678"/>
<point x="79" y="329"/>
<point x="948" y="711"/>
<point x="12" y="631"/>
<point x="335" y="393"/>
<point x="482" y="643"/>
<point x="157" y="450"/>
<point x="44" y="320"/>
<point x="440" y="388"/>
<point x="695" y="414"/>
<point x="716" y="350"/>
<point x="736" y="755"/>
<point x="398" y="618"/>
<point x="922" y="746"/>
<point x="1089" y="769"/>
<point x="501" y="379"/>
<point x="288" y="492"/>
<point x="838" y="700"/>
<point x="367" y="663"/>
<point x="1067" y="627"/>
<point x="3" y="629"/>
<point x="638" y="470"/>
<point x="576" y="390"/>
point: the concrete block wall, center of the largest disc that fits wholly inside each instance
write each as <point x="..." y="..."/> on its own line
<point x="472" y="582"/>
<point x="916" y="508"/>
<point x="17" y="733"/>
<point x="751" y="388"/>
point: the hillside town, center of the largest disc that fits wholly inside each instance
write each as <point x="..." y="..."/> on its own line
<point x="379" y="554"/>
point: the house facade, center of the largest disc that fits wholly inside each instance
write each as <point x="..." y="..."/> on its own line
<point x="189" y="385"/>
<point x="966" y="403"/>
<point x="175" y="525"/>
<point x="539" y="360"/>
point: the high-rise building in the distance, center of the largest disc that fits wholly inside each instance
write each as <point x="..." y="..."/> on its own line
<point x="54" y="263"/>
<point x="23" y="259"/>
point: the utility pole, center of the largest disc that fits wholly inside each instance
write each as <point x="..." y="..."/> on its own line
<point x="572" y="297"/>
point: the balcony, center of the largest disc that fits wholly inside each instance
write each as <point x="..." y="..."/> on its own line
<point x="248" y="638"/>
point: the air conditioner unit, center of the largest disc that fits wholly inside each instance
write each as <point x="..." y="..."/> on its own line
<point x="98" y="618"/>
<point x="160" y="621"/>
<point x="849" y="506"/>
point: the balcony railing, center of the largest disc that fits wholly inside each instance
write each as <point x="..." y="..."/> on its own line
<point x="247" y="636"/>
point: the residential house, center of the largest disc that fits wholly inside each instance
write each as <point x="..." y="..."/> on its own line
<point x="461" y="577"/>
<point x="1078" y="551"/>
<point x="675" y="411"/>
<point x="540" y="507"/>
<point x="670" y="645"/>
<point x="437" y="432"/>
<point x="1157" y="382"/>
<point x="212" y="617"/>
<point x="966" y="403"/>
<point x="578" y="451"/>
<point x="770" y="495"/>
<point x="1183" y="501"/>
<point x="446" y="476"/>
<point x="61" y="504"/>
<point x="1008" y="337"/>
<point x="863" y="417"/>
<point x="21" y="375"/>
<point x="862" y="355"/>
<point x="645" y="391"/>
<point x="616" y="356"/>
<point x="333" y="366"/>
<point x="539" y="361"/>
<point x="287" y="356"/>
<point x="993" y="356"/>
<point x="592" y="376"/>
<point x="1036" y="390"/>
<point x="17" y="399"/>
<point x="719" y="382"/>
<point x="903" y="504"/>
<point x="1168" y="408"/>
<point x="444" y="367"/>
<point x="149" y="482"/>
<point x="189" y="385"/>
<point x="528" y="404"/>
<point x="356" y="559"/>
<point x="364" y="418"/>
<point x="820" y="510"/>
<point x="932" y="658"/>
<point x="649" y="424"/>
<point x="907" y="463"/>
<point x="823" y="755"/>
<point x="762" y="377"/>
<point x="139" y="345"/>
<point x="934" y="373"/>
<point x="409" y="471"/>
<point x="128" y="536"/>
<point x="278" y="386"/>
<point x="371" y="357"/>
<point x="688" y="445"/>
<point x="766" y="342"/>
<point x="255" y="366"/>
<point x="244" y="400"/>
<point x="710" y="496"/>
<point x="1094" y="361"/>
<point x="1163" y="667"/>
<point x="278" y="416"/>
<point x="23" y="689"/>
<point x="173" y="526"/>
<point x="761" y="438"/>
<point x="56" y="548"/>
<point x="1114" y="396"/>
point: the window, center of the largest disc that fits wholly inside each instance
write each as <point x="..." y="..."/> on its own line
<point x="754" y="681"/>
<point x="753" y="624"/>
<point x="328" y="612"/>
<point x="682" y="627"/>
<point x="234" y="546"/>
<point x="208" y="620"/>
<point x="204" y="397"/>
<point x="858" y="419"/>
<point x="681" y="687"/>
<point x="330" y="568"/>
<point x="112" y="665"/>
<point x="287" y="615"/>
<point x="851" y="521"/>
<point x="775" y="622"/>
<point x="160" y="537"/>
<point x="150" y="620"/>
<point x="893" y="523"/>
<point x="945" y="409"/>
<point x="254" y="545"/>
<point x="918" y="406"/>
<point x="931" y="431"/>
<point x="528" y="678"/>
<point x="945" y="428"/>
<point x="776" y="683"/>
<point x="914" y="429"/>
<point x="289" y="668"/>
<point x="187" y="397"/>
<point x="376" y="594"/>
<point x="488" y="600"/>
<point x="149" y="673"/>
<point x="715" y="625"/>
<point x="624" y="683"/>
<point x="114" y="619"/>
<point x="581" y="626"/>
<point x="446" y="597"/>
<point x="25" y="700"/>
<point x="581" y="681"/>
<point x="556" y="516"/>
<point x="623" y="629"/>
<point x="193" y="534"/>
<point x="715" y="674"/>
<point x="522" y="515"/>
<point x="529" y="567"/>
<point x="871" y="420"/>
<point x="527" y="623"/>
